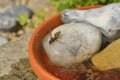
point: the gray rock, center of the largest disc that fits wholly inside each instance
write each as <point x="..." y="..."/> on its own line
<point x="6" y="4"/>
<point x="15" y="11"/>
<point x="106" y="18"/>
<point x="12" y="52"/>
<point x="9" y="18"/>
<point x="3" y="41"/>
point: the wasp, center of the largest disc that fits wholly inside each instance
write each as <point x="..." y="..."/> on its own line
<point x="56" y="36"/>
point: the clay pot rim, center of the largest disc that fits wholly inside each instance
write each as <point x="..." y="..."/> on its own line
<point x="31" y="53"/>
<point x="30" y="44"/>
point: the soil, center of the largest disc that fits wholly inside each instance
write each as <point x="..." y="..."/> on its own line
<point x="20" y="71"/>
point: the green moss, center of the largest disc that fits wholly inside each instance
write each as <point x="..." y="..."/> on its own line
<point x="66" y="4"/>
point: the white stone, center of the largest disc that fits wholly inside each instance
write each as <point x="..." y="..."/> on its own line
<point x="76" y="43"/>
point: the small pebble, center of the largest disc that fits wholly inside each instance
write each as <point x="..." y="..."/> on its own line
<point x="12" y="36"/>
<point x="3" y="40"/>
<point x="20" y="32"/>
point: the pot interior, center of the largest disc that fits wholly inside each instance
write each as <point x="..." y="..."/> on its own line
<point x="66" y="73"/>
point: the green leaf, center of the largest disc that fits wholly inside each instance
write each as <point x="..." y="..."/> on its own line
<point x="102" y="1"/>
<point x="41" y="14"/>
<point x="54" y="2"/>
<point x="22" y="19"/>
<point x="31" y="25"/>
<point x="62" y="7"/>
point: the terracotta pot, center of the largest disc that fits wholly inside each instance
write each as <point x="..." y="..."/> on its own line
<point x="38" y="59"/>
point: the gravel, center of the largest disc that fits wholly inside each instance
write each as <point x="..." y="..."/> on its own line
<point x="20" y="71"/>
